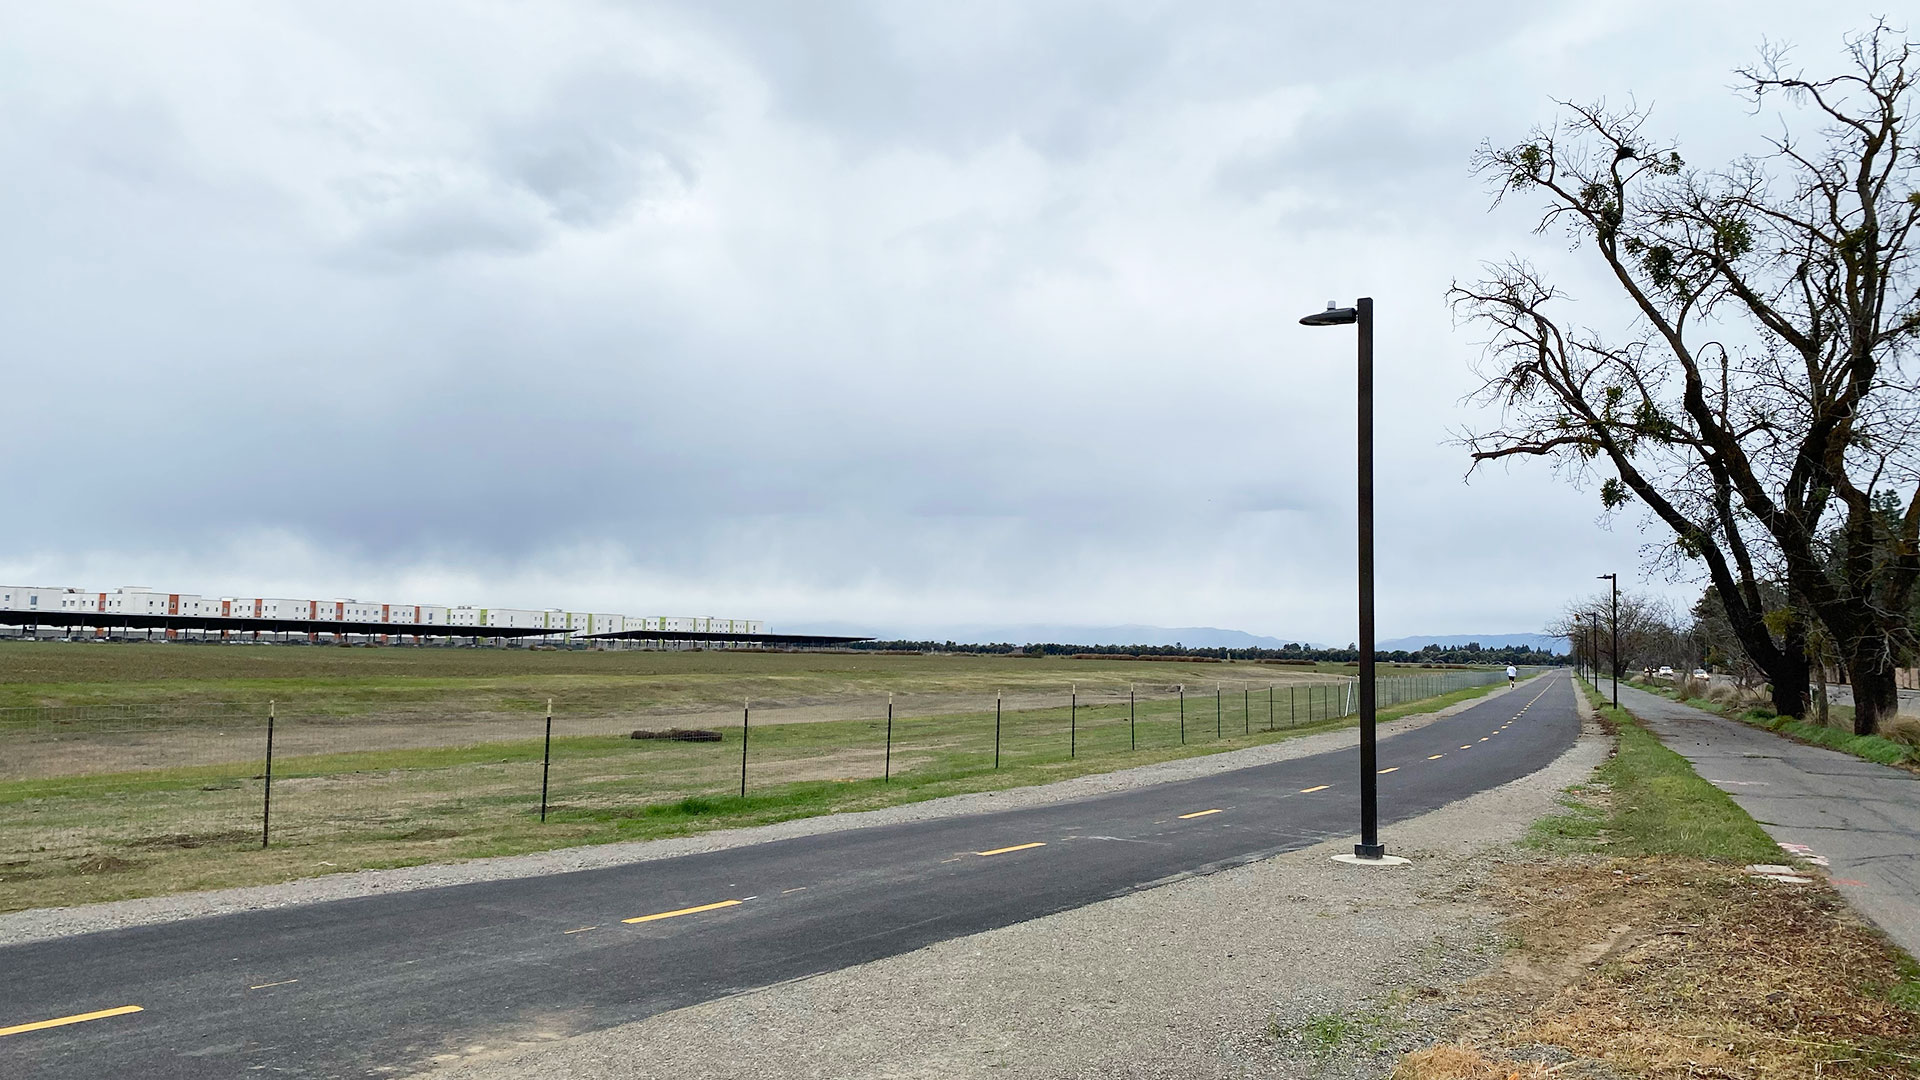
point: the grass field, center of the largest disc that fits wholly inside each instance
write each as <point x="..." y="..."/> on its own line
<point x="123" y="798"/>
<point x="399" y="681"/>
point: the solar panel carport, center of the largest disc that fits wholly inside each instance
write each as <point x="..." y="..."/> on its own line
<point x="97" y="620"/>
<point x="109" y="620"/>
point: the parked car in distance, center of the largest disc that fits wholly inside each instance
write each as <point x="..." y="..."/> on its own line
<point x="1666" y="671"/>
<point x="1699" y="673"/>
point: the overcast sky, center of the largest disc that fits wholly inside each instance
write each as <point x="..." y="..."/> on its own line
<point x="896" y="314"/>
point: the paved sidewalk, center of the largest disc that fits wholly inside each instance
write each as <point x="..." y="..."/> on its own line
<point x="1862" y="817"/>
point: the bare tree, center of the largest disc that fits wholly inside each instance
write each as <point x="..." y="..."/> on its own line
<point x="1759" y="402"/>
<point x="1651" y="632"/>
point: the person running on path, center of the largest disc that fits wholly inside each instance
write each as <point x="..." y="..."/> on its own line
<point x="1513" y="675"/>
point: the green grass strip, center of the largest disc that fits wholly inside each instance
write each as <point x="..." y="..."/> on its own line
<point x="1658" y="806"/>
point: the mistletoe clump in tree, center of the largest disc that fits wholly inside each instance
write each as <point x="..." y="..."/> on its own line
<point x="1759" y="399"/>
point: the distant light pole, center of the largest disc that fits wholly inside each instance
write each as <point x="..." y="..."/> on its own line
<point x="1613" y="656"/>
<point x="1593" y="645"/>
<point x="1361" y="314"/>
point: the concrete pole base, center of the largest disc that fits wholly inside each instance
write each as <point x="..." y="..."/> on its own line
<point x="1384" y="860"/>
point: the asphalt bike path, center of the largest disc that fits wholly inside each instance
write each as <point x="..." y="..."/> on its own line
<point x="1859" y="819"/>
<point x="379" y="985"/>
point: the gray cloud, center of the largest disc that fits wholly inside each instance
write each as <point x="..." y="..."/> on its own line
<point x="827" y="311"/>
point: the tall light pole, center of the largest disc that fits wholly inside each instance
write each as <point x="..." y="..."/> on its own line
<point x="1361" y="313"/>
<point x="1613" y="656"/>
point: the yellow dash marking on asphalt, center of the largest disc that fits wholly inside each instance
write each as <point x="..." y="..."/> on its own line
<point x="784" y="892"/>
<point x="684" y="911"/>
<point x="1198" y="813"/>
<point x="65" y="1020"/>
<point x="1483" y="740"/>
<point x="1016" y="847"/>
<point x="1468" y="747"/>
<point x="1311" y="790"/>
<point x="1383" y="772"/>
<point x="283" y="982"/>
<point x="582" y="930"/>
<point x="1435" y="757"/>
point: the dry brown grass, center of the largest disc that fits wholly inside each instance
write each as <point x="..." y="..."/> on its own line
<point x="1458" y="1061"/>
<point x="1904" y="729"/>
<point x="1678" y="968"/>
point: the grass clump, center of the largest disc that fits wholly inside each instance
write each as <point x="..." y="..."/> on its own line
<point x="1871" y="747"/>
<point x="1325" y="1035"/>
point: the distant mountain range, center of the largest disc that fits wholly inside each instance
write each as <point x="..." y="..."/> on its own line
<point x="1197" y="637"/>
<point x="1491" y="641"/>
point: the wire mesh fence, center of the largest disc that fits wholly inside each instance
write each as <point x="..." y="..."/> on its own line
<point x="89" y="788"/>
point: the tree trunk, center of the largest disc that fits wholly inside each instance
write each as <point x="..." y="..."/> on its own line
<point x="1790" y="673"/>
<point x="1876" y="688"/>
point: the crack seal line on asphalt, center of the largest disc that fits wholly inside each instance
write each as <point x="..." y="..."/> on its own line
<point x="282" y="982"/>
<point x="1016" y="847"/>
<point x="63" y="1021"/>
<point x="686" y="911"/>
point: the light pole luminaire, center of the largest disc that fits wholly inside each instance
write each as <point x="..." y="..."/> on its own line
<point x="1361" y="314"/>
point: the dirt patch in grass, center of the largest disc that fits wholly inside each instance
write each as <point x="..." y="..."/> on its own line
<point x="103" y="864"/>
<point x="1671" y="968"/>
<point x="189" y="841"/>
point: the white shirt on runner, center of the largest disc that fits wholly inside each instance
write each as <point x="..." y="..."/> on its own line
<point x="1512" y="672"/>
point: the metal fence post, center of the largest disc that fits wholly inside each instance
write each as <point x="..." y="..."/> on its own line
<point x="1073" y="721"/>
<point x="886" y="776"/>
<point x="1183" y="714"/>
<point x="266" y="799"/>
<point x="546" y="761"/>
<point x="746" y="715"/>
<point x="996" y="730"/>
<point x="1216" y="710"/>
<point x="1246" y="711"/>
<point x="1269" y="706"/>
<point x="1133" y="741"/>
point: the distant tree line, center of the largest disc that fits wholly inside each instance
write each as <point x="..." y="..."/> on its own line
<point x="1470" y="653"/>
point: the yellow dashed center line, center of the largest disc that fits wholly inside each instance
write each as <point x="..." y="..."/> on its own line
<point x="1198" y="813"/>
<point x="684" y="911"/>
<point x="1435" y="757"/>
<point x="1483" y="740"/>
<point x="1384" y="772"/>
<point x="63" y="1021"/>
<point x="1311" y="790"/>
<point x="1016" y="847"/>
<point x="282" y="982"/>
<point x="1467" y="747"/>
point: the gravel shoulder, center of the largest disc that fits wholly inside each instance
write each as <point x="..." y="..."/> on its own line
<point x="1293" y="966"/>
<point x="41" y="924"/>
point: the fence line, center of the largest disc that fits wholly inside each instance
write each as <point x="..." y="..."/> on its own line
<point x="76" y="781"/>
